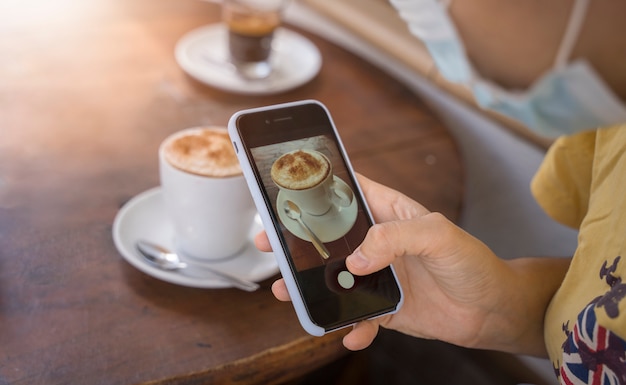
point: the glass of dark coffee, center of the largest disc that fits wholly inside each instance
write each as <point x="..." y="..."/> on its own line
<point x="251" y="26"/>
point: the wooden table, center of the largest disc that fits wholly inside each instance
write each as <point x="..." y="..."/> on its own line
<point x="88" y="89"/>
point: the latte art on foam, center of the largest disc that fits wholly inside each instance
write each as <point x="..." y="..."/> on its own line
<point x="300" y="169"/>
<point x="203" y="151"/>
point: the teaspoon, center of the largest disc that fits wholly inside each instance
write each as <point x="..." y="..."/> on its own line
<point x="168" y="260"/>
<point x="293" y="211"/>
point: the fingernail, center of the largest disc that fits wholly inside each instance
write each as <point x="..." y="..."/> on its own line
<point x="358" y="260"/>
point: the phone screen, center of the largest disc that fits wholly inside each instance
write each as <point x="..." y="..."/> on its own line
<point x="300" y="139"/>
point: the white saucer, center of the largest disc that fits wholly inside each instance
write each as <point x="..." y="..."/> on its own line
<point x="328" y="227"/>
<point x="203" y="54"/>
<point x="144" y="217"/>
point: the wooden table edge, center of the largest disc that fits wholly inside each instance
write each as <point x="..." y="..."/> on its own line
<point x="267" y="367"/>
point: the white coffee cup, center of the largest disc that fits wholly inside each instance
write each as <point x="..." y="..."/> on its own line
<point x="205" y="194"/>
<point x="306" y="178"/>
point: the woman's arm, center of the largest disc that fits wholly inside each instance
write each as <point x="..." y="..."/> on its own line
<point x="455" y="288"/>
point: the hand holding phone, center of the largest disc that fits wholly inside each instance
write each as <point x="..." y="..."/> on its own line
<point x="313" y="212"/>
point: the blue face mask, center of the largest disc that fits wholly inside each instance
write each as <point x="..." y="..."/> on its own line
<point x="569" y="98"/>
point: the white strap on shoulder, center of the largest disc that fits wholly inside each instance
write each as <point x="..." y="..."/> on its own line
<point x="574" y="25"/>
<point x="426" y="19"/>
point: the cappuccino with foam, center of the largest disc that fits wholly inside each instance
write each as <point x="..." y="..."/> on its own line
<point x="202" y="151"/>
<point x="306" y="178"/>
<point x="205" y="193"/>
<point x="300" y="169"/>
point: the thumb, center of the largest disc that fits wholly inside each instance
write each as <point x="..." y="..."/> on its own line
<point x="385" y="242"/>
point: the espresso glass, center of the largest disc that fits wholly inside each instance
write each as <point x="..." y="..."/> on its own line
<point x="251" y="26"/>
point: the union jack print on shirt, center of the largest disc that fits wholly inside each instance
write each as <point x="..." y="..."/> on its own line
<point x="593" y="354"/>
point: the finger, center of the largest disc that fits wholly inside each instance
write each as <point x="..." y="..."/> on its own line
<point x="279" y="289"/>
<point x="262" y="242"/>
<point x="387" y="204"/>
<point x="431" y="234"/>
<point x="361" y="336"/>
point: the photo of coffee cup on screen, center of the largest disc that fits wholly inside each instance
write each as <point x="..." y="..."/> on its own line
<point x="316" y="205"/>
<point x="305" y="177"/>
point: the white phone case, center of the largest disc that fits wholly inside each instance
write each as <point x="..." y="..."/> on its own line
<point x="270" y="228"/>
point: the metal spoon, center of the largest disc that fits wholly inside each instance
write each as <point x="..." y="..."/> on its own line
<point x="168" y="260"/>
<point x="293" y="211"/>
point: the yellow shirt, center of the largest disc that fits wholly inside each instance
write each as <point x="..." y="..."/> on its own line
<point x="582" y="184"/>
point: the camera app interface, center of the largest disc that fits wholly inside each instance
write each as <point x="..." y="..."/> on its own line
<point x="322" y="221"/>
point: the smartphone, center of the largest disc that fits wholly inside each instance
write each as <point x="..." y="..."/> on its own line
<point x="313" y="211"/>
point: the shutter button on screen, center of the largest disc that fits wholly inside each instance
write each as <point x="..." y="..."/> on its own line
<point x="345" y="279"/>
